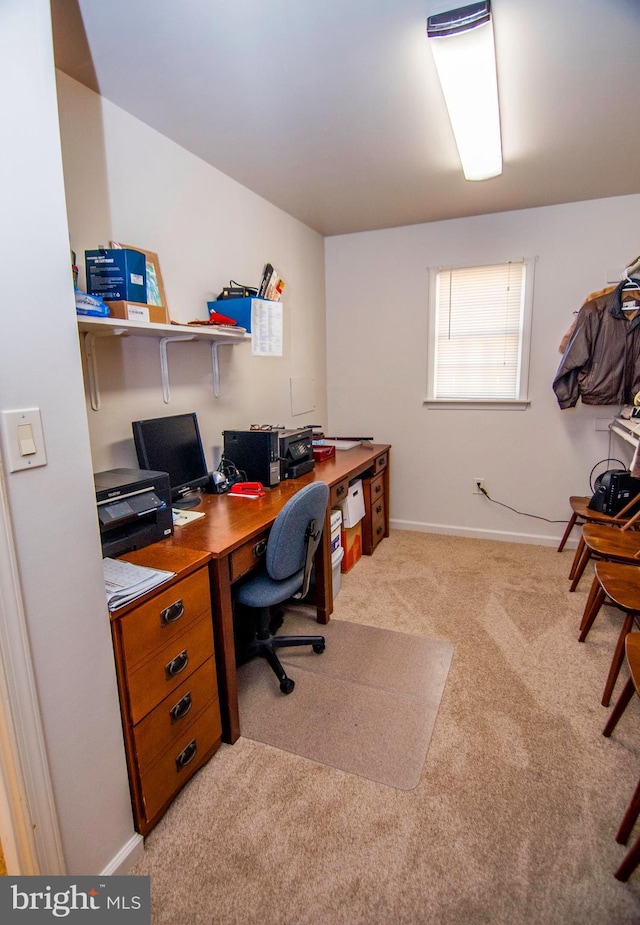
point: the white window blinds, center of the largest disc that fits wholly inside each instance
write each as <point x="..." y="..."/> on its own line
<point x="478" y="332"/>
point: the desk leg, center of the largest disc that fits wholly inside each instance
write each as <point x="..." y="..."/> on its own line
<point x="225" y="649"/>
<point x="324" y="574"/>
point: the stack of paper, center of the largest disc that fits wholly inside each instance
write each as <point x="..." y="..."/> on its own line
<point x="123" y="582"/>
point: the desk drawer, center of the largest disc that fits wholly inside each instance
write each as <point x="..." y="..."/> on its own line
<point x="380" y="463"/>
<point x="373" y="489"/>
<point x="339" y="492"/>
<point x="166" y="670"/>
<point x="180" y="761"/>
<point x="374" y="524"/>
<point x="177" y="711"/>
<point x="164" y="618"/>
<point x="376" y="528"/>
<point x="245" y="558"/>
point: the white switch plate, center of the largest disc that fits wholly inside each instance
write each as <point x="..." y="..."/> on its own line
<point x="11" y="420"/>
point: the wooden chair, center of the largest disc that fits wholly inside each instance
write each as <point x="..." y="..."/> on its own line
<point x="581" y="513"/>
<point x="617" y="584"/>
<point x="599" y="536"/>
<point x="632" y="857"/>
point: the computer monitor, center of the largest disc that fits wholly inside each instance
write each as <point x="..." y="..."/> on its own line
<point x="172" y="444"/>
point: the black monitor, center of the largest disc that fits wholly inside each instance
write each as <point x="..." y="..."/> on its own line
<point x="172" y="444"/>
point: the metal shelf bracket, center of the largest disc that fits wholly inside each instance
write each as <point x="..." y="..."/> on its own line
<point x="164" y="363"/>
<point x="89" y="345"/>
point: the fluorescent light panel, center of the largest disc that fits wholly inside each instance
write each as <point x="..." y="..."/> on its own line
<point x="464" y="53"/>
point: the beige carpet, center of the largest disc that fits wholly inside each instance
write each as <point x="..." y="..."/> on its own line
<point x="514" y="818"/>
<point x="366" y="705"/>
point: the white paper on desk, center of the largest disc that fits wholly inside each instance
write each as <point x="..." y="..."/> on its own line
<point x="180" y="518"/>
<point x="124" y="581"/>
<point x="339" y="444"/>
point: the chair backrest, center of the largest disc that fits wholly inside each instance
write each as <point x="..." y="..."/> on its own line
<point x="287" y="546"/>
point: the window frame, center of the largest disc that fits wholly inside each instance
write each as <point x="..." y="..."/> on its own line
<point x="519" y="403"/>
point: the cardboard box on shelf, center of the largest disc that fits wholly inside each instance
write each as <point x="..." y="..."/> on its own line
<point x="116" y="273"/>
<point x="351" y="538"/>
<point x="139" y="311"/>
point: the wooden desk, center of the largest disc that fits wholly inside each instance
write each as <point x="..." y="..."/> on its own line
<point x="234" y="532"/>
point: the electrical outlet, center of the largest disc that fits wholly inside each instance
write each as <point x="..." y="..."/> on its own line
<point x="478" y="485"/>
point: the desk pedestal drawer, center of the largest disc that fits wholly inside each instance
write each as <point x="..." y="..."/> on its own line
<point x="374" y="522"/>
<point x="177" y="711"/>
<point x="162" y="674"/>
<point x="373" y="527"/>
<point x="179" y="762"/>
<point x="163" y="618"/>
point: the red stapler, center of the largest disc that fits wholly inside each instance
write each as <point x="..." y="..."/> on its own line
<point x="247" y="489"/>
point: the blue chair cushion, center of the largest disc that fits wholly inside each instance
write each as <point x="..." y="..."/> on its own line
<point x="262" y="591"/>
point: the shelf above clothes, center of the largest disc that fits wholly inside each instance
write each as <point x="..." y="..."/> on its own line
<point x="91" y="329"/>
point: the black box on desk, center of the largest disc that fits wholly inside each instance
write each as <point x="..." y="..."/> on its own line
<point x="116" y="273"/>
<point x="134" y="509"/>
<point x="256" y="453"/>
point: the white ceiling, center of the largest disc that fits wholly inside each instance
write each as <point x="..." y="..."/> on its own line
<point x="332" y="111"/>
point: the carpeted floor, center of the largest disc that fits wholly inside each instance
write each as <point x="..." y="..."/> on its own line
<point x="514" y="817"/>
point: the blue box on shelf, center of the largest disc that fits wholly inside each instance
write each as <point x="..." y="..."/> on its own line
<point x="116" y="273"/>
<point x="240" y="310"/>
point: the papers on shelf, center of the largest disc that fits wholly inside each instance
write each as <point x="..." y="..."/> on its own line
<point x="123" y="581"/>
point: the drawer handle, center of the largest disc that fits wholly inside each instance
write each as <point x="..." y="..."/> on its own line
<point x="176" y="665"/>
<point x="340" y="490"/>
<point x="260" y="548"/>
<point x="186" y="755"/>
<point x="378" y="489"/>
<point x="379" y="509"/>
<point x="378" y="531"/>
<point x="172" y="613"/>
<point x="181" y="708"/>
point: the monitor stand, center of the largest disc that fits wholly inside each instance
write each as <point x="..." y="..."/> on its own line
<point x="191" y="500"/>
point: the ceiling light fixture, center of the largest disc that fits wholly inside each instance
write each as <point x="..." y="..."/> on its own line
<point x="464" y="53"/>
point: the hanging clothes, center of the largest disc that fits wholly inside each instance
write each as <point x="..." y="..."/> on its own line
<point x="601" y="363"/>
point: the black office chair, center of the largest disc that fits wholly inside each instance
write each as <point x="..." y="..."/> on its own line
<point x="284" y="573"/>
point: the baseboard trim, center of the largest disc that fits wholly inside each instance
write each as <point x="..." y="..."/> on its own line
<point x="503" y="536"/>
<point x="129" y="854"/>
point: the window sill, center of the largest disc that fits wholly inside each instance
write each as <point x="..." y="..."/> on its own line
<point x="477" y="404"/>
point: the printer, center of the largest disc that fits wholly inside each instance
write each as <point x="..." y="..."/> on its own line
<point x="134" y="509"/>
<point x="296" y="452"/>
<point x="270" y="456"/>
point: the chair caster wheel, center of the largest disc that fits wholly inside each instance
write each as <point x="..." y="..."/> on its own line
<point x="287" y="685"/>
<point x="319" y="647"/>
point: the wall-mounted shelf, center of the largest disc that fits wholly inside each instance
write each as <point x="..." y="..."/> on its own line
<point x="628" y="429"/>
<point x="92" y="328"/>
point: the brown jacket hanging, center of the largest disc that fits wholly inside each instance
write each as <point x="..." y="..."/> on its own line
<point x="601" y="364"/>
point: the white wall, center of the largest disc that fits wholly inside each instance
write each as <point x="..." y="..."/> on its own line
<point x="122" y="181"/>
<point x="126" y="182"/>
<point x="531" y="460"/>
<point x="53" y="508"/>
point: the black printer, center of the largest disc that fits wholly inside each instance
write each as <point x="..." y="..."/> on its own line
<point x="134" y="509"/>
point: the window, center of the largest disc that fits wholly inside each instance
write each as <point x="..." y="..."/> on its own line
<point x="479" y="324"/>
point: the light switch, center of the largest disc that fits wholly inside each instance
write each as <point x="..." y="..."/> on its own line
<point x="23" y="439"/>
